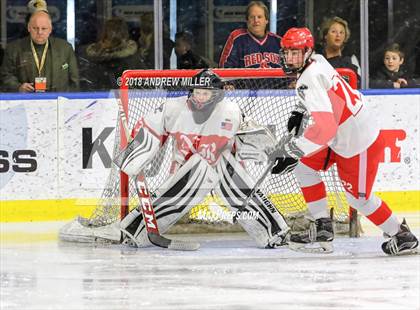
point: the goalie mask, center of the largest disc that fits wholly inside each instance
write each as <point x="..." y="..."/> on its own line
<point x="207" y="91"/>
<point x="297" y="46"/>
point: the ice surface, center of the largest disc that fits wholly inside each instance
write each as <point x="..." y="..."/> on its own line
<point x="228" y="272"/>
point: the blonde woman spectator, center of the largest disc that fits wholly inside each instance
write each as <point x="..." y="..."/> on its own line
<point x="334" y="34"/>
<point x="392" y="75"/>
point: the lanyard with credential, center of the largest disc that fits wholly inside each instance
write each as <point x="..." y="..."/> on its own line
<point x="44" y="55"/>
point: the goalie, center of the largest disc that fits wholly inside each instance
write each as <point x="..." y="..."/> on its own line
<point x="210" y="139"/>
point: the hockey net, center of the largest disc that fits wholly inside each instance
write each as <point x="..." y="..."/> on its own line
<point x="265" y="95"/>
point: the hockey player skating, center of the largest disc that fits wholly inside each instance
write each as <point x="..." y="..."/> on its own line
<point x="342" y="132"/>
<point x="210" y="137"/>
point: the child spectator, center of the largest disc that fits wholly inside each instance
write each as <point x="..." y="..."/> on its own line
<point x="392" y="75"/>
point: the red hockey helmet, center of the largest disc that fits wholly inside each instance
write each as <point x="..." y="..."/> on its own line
<point x="297" y="39"/>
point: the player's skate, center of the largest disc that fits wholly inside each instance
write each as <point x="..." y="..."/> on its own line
<point x="404" y="242"/>
<point x="318" y="239"/>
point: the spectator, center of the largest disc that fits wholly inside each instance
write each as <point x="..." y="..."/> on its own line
<point x="32" y="7"/>
<point x="36" y="5"/>
<point x="102" y="63"/>
<point x="39" y="62"/>
<point x="146" y="43"/>
<point x="253" y="47"/>
<point x="186" y="58"/>
<point x="392" y="75"/>
<point x="335" y="33"/>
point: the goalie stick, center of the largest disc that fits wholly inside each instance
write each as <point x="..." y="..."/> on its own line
<point x="146" y="205"/>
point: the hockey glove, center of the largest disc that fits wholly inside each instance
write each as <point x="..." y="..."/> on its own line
<point x="294" y="122"/>
<point x="284" y="165"/>
<point x="287" y="156"/>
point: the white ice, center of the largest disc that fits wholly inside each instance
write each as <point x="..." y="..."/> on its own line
<point x="228" y="272"/>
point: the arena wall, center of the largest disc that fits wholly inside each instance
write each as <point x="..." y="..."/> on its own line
<point x="47" y="173"/>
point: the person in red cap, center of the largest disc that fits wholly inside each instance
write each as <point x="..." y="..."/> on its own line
<point x="342" y="131"/>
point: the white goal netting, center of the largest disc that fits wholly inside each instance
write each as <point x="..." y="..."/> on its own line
<point x="264" y="95"/>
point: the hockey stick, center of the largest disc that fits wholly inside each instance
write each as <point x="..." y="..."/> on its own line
<point x="146" y="205"/>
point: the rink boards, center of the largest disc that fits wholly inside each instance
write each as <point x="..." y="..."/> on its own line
<point x="55" y="152"/>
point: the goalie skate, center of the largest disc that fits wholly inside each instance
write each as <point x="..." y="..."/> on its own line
<point x="318" y="239"/>
<point x="404" y="242"/>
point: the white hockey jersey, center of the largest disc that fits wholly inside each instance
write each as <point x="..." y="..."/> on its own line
<point x="209" y="139"/>
<point x="340" y="118"/>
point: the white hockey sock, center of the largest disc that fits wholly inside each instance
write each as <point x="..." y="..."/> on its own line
<point x="313" y="190"/>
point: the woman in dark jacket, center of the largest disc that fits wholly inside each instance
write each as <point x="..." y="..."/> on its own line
<point x="391" y="75"/>
<point x="105" y="61"/>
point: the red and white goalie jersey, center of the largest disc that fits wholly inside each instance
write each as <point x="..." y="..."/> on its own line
<point x="340" y="118"/>
<point x="194" y="131"/>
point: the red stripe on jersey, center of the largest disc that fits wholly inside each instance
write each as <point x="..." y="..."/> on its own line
<point x="229" y="45"/>
<point x="142" y="124"/>
<point x="323" y="129"/>
<point x="314" y="192"/>
<point x="345" y="100"/>
<point x="258" y="41"/>
<point x="341" y="112"/>
<point x="380" y="215"/>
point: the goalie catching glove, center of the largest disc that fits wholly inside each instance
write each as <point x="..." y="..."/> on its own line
<point x="253" y="141"/>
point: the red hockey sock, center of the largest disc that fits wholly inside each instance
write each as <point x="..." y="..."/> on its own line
<point x="381" y="214"/>
<point x="314" y="192"/>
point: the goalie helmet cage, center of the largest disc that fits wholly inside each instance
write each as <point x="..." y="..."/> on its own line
<point x="265" y="95"/>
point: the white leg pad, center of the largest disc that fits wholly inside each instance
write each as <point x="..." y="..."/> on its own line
<point x="188" y="187"/>
<point x="235" y="185"/>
